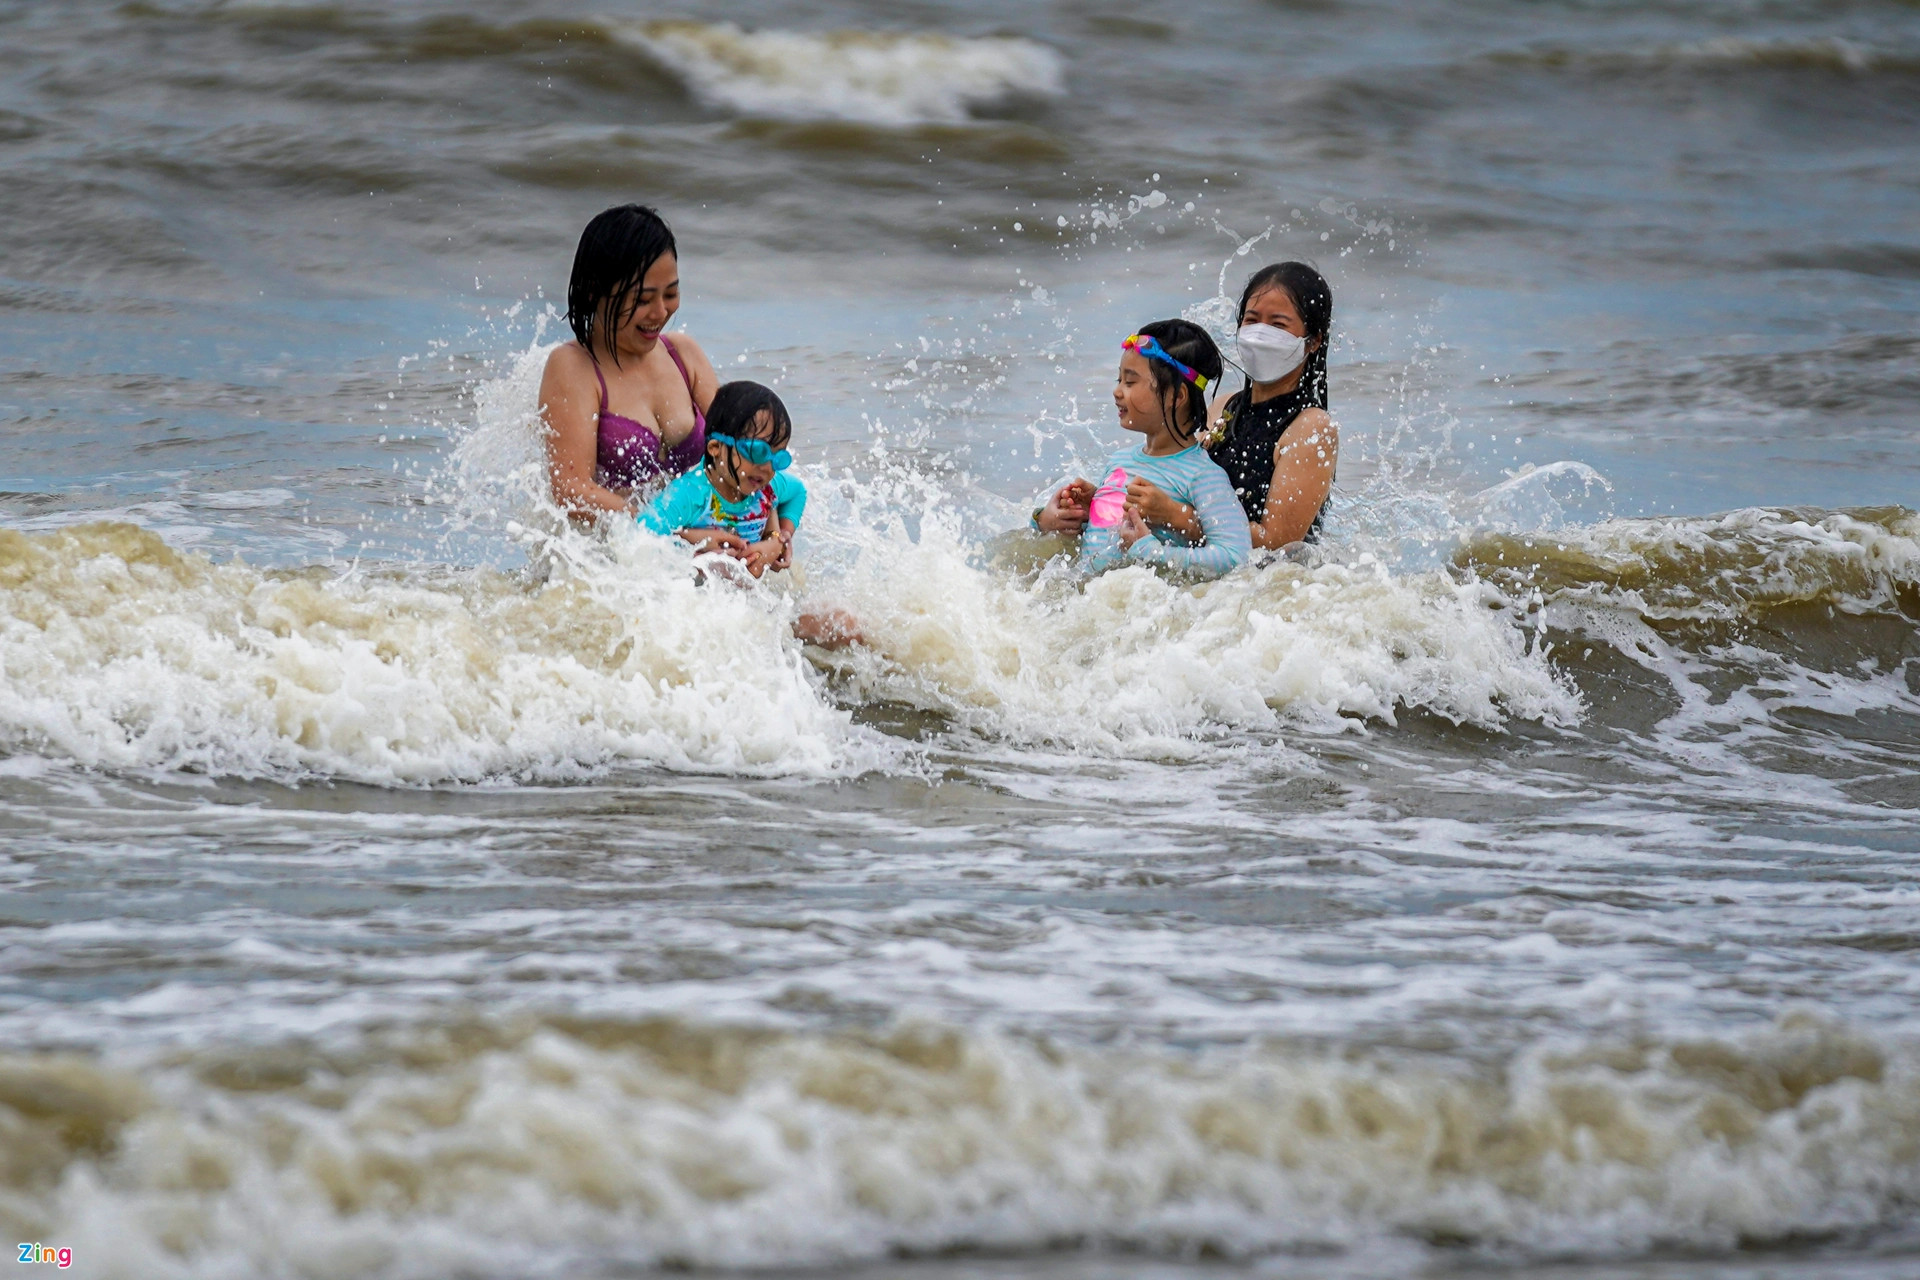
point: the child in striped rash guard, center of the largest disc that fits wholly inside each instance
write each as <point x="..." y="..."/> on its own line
<point x="1164" y="500"/>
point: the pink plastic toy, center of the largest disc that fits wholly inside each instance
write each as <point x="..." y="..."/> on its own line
<point x="1109" y="501"/>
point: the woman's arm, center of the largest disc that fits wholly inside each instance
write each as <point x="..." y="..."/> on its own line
<point x="570" y="410"/>
<point x="1303" y="464"/>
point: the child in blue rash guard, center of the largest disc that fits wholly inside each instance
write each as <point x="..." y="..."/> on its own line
<point x="1164" y="500"/>
<point x="742" y="502"/>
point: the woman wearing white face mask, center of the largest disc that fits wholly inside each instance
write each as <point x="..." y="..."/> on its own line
<point x="1273" y="437"/>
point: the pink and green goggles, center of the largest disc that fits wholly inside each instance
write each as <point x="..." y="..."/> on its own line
<point x="1150" y="348"/>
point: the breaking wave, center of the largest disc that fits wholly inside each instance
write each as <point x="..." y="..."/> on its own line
<point x="871" y="77"/>
<point x="119" y="650"/>
<point x="1739" y="566"/>
<point x="546" y="1146"/>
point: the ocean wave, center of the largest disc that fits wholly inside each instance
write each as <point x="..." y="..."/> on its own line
<point x="1736" y="567"/>
<point x="887" y="78"/>
<point x="1132" y="663"/>
<point x="871" y="77"/>
<point x="549" y="1146"/>
<point x="1814" y="53"/>
<point x="120" y="651"/>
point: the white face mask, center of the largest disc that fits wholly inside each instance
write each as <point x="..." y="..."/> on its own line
<point x="1269" y="354"/>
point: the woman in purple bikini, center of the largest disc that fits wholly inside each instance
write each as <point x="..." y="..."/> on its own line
<point x="625" y="405"/>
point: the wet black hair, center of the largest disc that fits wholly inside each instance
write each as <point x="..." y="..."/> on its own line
<point x="1313" y="299"/>
<point x="616" y="251"/>
<point x="747" y="411"/>
<point x="1190" y="345"/>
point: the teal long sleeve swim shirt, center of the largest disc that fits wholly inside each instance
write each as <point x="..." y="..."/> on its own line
<point x="691" y="502"/>
<point x="1189" y="476"/>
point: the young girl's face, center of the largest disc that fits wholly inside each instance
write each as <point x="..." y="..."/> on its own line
<point x="753" y="476"/>
<point x="1136" y="399"/>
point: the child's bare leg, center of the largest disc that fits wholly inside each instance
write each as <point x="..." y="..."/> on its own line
<point x="828" y="628"/>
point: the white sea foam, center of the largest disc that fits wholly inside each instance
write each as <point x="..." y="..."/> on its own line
<point x="1134" y="663"/>
<point x="546" y="1148"/>
<point x="120" y="651"/>
<point x="885" y="78"/>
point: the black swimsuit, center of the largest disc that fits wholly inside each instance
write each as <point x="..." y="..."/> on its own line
<point x="1245" y="448"/>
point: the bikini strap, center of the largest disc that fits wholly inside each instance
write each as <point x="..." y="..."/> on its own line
<point x="603" y="384"/>
<point x="681" y="365"/>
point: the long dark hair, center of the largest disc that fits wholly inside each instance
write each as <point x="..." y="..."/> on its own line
<point x="616" y="251"/>
<point x="1190" y="345"/>
<point x="747" y="411"/>
<point x="1314" y="301"/>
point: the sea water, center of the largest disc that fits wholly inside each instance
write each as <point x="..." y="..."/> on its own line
<point x="396" y="883"/>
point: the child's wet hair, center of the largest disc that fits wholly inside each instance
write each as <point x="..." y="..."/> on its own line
<point x="1183" y="404"/>
<point x="747" y="411"/>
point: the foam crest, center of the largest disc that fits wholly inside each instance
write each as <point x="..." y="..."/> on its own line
<point x="870" y="77"/>
<point x="121" y="651"/>
<point x="1740" y="565"/>
<point x="1138" y="664"/>
<point x="544" y="1146"/>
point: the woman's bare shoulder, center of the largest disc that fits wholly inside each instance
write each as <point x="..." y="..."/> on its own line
<point x="1310" y="423"/>
<point x="1313" y="426"/>
<point x="569" y="358"/>
<point x="690" y="350"/>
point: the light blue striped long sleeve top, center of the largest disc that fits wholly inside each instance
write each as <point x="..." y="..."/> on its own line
<point x="1195" y="479"/>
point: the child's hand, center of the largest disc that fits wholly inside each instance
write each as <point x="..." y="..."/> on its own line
<point x="724" y="541"/>
<point x="1066" y="510"/>
<point x="1133" y="526"/>
<point x="1161" y="509"/>
<point x="762" y="556"/>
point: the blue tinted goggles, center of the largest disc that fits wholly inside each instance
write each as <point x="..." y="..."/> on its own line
<point x="758" y="452"/>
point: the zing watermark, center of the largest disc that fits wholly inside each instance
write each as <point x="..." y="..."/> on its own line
<point x="41" y="1253"/>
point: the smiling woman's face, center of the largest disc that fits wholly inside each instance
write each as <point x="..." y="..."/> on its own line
<point x="653" y="303"/>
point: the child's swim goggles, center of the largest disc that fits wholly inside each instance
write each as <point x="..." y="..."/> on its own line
<point x="1152" y="350"/>
<point x="758" y="452"/>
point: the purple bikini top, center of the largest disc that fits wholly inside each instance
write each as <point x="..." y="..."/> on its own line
<point x="629" y="453"/>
